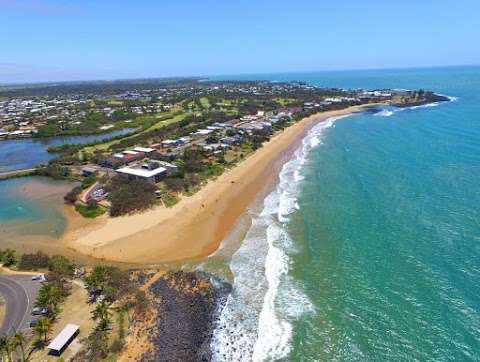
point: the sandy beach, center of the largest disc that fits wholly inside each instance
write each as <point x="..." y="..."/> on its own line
<point x="195" y="227"/>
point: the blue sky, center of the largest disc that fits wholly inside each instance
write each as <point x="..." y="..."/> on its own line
<point x="51" y="40"/>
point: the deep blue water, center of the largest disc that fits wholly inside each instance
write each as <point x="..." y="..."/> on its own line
<point x="369" y="249"/>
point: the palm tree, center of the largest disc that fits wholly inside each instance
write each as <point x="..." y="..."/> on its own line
<point x="3" y="345"/>
<point x="102" y="313"/>
<point x="7" y="346"/>
<point x="43" y="328"/>
<point x="20" y="341"/>
<point x="49" y="297"/>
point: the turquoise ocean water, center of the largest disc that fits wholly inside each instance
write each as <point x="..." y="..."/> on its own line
<point x="369" y="247"/>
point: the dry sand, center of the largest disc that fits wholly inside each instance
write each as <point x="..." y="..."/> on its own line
<point x="195" y="227"/>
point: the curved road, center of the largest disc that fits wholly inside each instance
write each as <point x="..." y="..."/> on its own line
<point x="19" y="293"/>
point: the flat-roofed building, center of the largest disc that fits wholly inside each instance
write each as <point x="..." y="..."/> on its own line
<point x="145" y="150"/>
<point x="152" y="176"/>
<point x="63" y="339"/>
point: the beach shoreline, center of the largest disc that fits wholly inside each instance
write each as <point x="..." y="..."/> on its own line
<point x="196" y="226"/>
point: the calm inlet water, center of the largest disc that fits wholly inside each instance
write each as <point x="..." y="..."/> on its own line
<point x="369" y="248"/>
<point x="27" y="153"/>
<point x="33" y="205"/>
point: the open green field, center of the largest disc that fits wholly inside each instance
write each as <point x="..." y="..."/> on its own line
<point x="165" y="120"/>
<point x="205" y="102"/>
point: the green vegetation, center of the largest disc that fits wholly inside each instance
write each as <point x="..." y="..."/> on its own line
<point x="112" y="291"/>
<point x="205" y="102"/>
<point x="91" y="210"/>
<point x="72" y="196"/>
<point x="8" y="257"/>
<point x="35" y="261"/>
<point x="16" y="343"/>
<point x="54" y="170"/>
<point x="128" y="196"/>
<point x="88" y="181"/>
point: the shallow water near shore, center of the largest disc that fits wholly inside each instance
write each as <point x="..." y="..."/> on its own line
<point x="368" y="248"/>
<point x="32" y="206"/>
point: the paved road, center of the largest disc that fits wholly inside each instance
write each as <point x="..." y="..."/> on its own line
<point x="19" y="292"/>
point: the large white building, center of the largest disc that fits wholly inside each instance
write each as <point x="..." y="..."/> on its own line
<point x="152" y="176"/>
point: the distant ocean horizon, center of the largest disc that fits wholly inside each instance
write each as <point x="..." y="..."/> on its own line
<point x="369" y="247"/>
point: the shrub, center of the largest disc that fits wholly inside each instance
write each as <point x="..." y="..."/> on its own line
<point x="90" y="211"/>
<point x="8" y="257"/>
<point x="88" y="181"/>
<point x="34" y="261"/>
<point x="72" y="195"/>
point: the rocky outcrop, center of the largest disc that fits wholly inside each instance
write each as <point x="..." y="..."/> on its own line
<point x="187" y="306"/>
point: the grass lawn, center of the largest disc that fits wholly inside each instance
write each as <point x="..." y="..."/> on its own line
<point x="166" y="119"/>
<point x="88" y="212"/>
<point x="166" y="122"/>
<point x="205" y="102"/>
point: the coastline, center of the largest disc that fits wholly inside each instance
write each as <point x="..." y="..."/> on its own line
<point x="195" y="227"/>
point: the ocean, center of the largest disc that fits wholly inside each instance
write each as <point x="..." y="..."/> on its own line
<point x="368" y="249"/>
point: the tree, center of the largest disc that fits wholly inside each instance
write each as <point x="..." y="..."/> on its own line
<point x="101" y="313"/>
<point x="61" y="270"/>
<point x="49" y="297"/>
<point x="127" y="196"/>
<point x="72" y="195"/>
<point x="20" y="342"/>
<point x="7" y="346"/>
<point x="9" y="257"/>
<point x="111" y="282"/>
<point x="43" y="328"/>
<point x="33" y="261"/>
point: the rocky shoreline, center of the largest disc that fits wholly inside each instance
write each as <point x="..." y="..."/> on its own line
<point x="187" y="306"/>
<point x="426" y="98"/>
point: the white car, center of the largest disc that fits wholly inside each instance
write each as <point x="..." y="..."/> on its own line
<point x="40" y="278"/>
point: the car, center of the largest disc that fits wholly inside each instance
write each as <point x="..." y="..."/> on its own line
<point x="39" y="311"/>
<point x="40" y="278"/>
<point x="33" y="323"/>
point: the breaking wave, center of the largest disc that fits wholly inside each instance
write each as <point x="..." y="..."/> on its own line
<point x="384" y="113"/>
<point x="256" y="322"/>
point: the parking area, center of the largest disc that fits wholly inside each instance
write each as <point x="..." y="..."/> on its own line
<point x="19" y="293"/>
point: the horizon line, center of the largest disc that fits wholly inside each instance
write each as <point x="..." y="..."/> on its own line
<point x="237" y="74"/>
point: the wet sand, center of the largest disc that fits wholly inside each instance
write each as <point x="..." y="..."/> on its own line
<point x="195" y="227"/>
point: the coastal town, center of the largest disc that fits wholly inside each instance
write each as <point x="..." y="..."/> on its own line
<point x="184" y="131"/>
<point x="184" y="134"/>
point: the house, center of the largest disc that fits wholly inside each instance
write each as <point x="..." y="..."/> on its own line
<point x="89" y="171"/>
<point x="170" y="167"/>
<point x="231" y="141"/>
<point x="145" y="150"/>
<point x="202" y="132"/>
<point x="171" y="143"/>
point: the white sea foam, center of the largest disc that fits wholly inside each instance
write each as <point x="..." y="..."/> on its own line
<point x="255" y="324"/>
<point x="428" y="105"/>
<point x="384" y="113"/>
